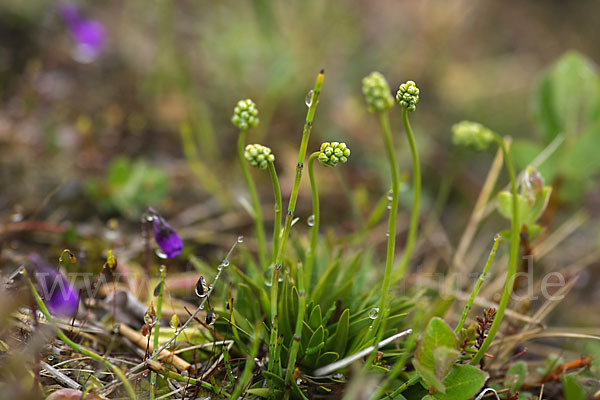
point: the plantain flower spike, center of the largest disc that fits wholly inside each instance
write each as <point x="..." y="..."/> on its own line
<point x="377" y="93"/>
<point x="408" y="95"/>
<point x="245" y="115"/>
<point x="258" y="155"/>
<point x="333" y="153"/>
<point x="472" y="134"/>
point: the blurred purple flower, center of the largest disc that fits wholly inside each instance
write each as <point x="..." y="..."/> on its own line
<point x="167" y="239"/>
<point x="89" y="34"/>
<point x="58" y="293"/>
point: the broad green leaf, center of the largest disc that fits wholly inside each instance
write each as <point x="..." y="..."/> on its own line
<point x="428" y="376"/>
<point x="572" y="388"/>
<point x="436" y="334"/>
<point x="505" y="206"/>
<point x="515" y="376"/>
<point x="567" y="99"/>
<point x="536" y="209"/>
<point x="444" y="358"/>
<point x="462" y="383"/>
<point x="338" y="341"/>
<point x="580" y="159"/>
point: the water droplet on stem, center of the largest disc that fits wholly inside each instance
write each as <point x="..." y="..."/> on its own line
<point x="373" y="312"/>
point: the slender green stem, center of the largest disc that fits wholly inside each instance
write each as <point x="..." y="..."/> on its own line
<point x="278" y="209"/>
<point x="298" y="333"/>
<point x="290" y="215"/>
<point x="514" y="255"/>
<point x="156" y="327"/>
<point x="301" y="156"/>
<point x="414" y="218"/>
<point x="314" y="232"/>
<point x="258" y="217"/>
<point x="86" y="352"/>
<point x="160" y="369"/>
<point x="247" y="373"/>
<point x="391" y="240"/>
<point x="475" y="291"/>
<point x="412" y="381"/>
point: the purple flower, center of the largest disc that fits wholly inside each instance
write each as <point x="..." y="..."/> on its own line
<point x="167" y="239"/>
<point x="89" y="35"/>
<point x="58" y="293"/>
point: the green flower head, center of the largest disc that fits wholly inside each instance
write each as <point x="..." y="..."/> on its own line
<point x="245" y="115"/>
<point x="333" y="153"/>
<point x="377" y="92"/>
<point x="472" y="134"/>
<point x="258" y="155"/>
<point x="408" y="95"/>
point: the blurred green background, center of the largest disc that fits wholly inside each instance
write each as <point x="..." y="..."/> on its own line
<point x="147" y="121"/>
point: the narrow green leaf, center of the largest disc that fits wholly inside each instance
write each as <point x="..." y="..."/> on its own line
<point x="315" y="317"/>
<point x="339" y="340"/>
<point x="327" y="358"/>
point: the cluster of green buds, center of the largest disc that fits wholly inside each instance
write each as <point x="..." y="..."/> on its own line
<point x="472" y="134"/>
<point x="377" y="92"/>
<point x="245" y="115"/>
<point x="408" y="95"/>
<point x="258" y="155"/>
<point x="333" y="153"/>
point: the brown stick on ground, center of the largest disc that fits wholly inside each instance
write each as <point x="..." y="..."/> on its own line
<point x="555" y="374"/>
<point x="142" y="342"/>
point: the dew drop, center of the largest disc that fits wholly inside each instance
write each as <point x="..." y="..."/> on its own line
<point x="390" y="195"/>
<point x="240" y="239"/>
<point x="50" y="358"/>
<point x="387" y="234"/>
<point x="150" y="218"/>
<point x="269" y="276"/>
<point x="225" y="263"/>
<point x="373" y="312"/>
<point x="389" y="206"/>
<point x="276" y="208"/>
<point x="201" y="287"/>
<point x="309" y="97"/>
<point x="201" y="306"/>
<point x="160" y="254"/>
<point x="211" y="317"/>
<point x="174" y="321"/>
<point x="295" y="220"/>
<point x="311" y="220"/>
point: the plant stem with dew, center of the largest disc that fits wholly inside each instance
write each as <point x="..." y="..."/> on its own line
<point x="514" y="255"/>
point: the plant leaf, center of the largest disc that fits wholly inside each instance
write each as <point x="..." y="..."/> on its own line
<point x="515" y="376"/>
<point x="436" y="334"/>
<point x="462" y="383"/>
<point x="429" y="377"/>
<point x="338" y="341"/>
<point x="444" y="358"/>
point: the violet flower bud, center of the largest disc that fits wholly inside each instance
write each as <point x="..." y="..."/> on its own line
<point x="88" y="34"/>
<point x="167" y="239"/>
<point x="58" y="293"/>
